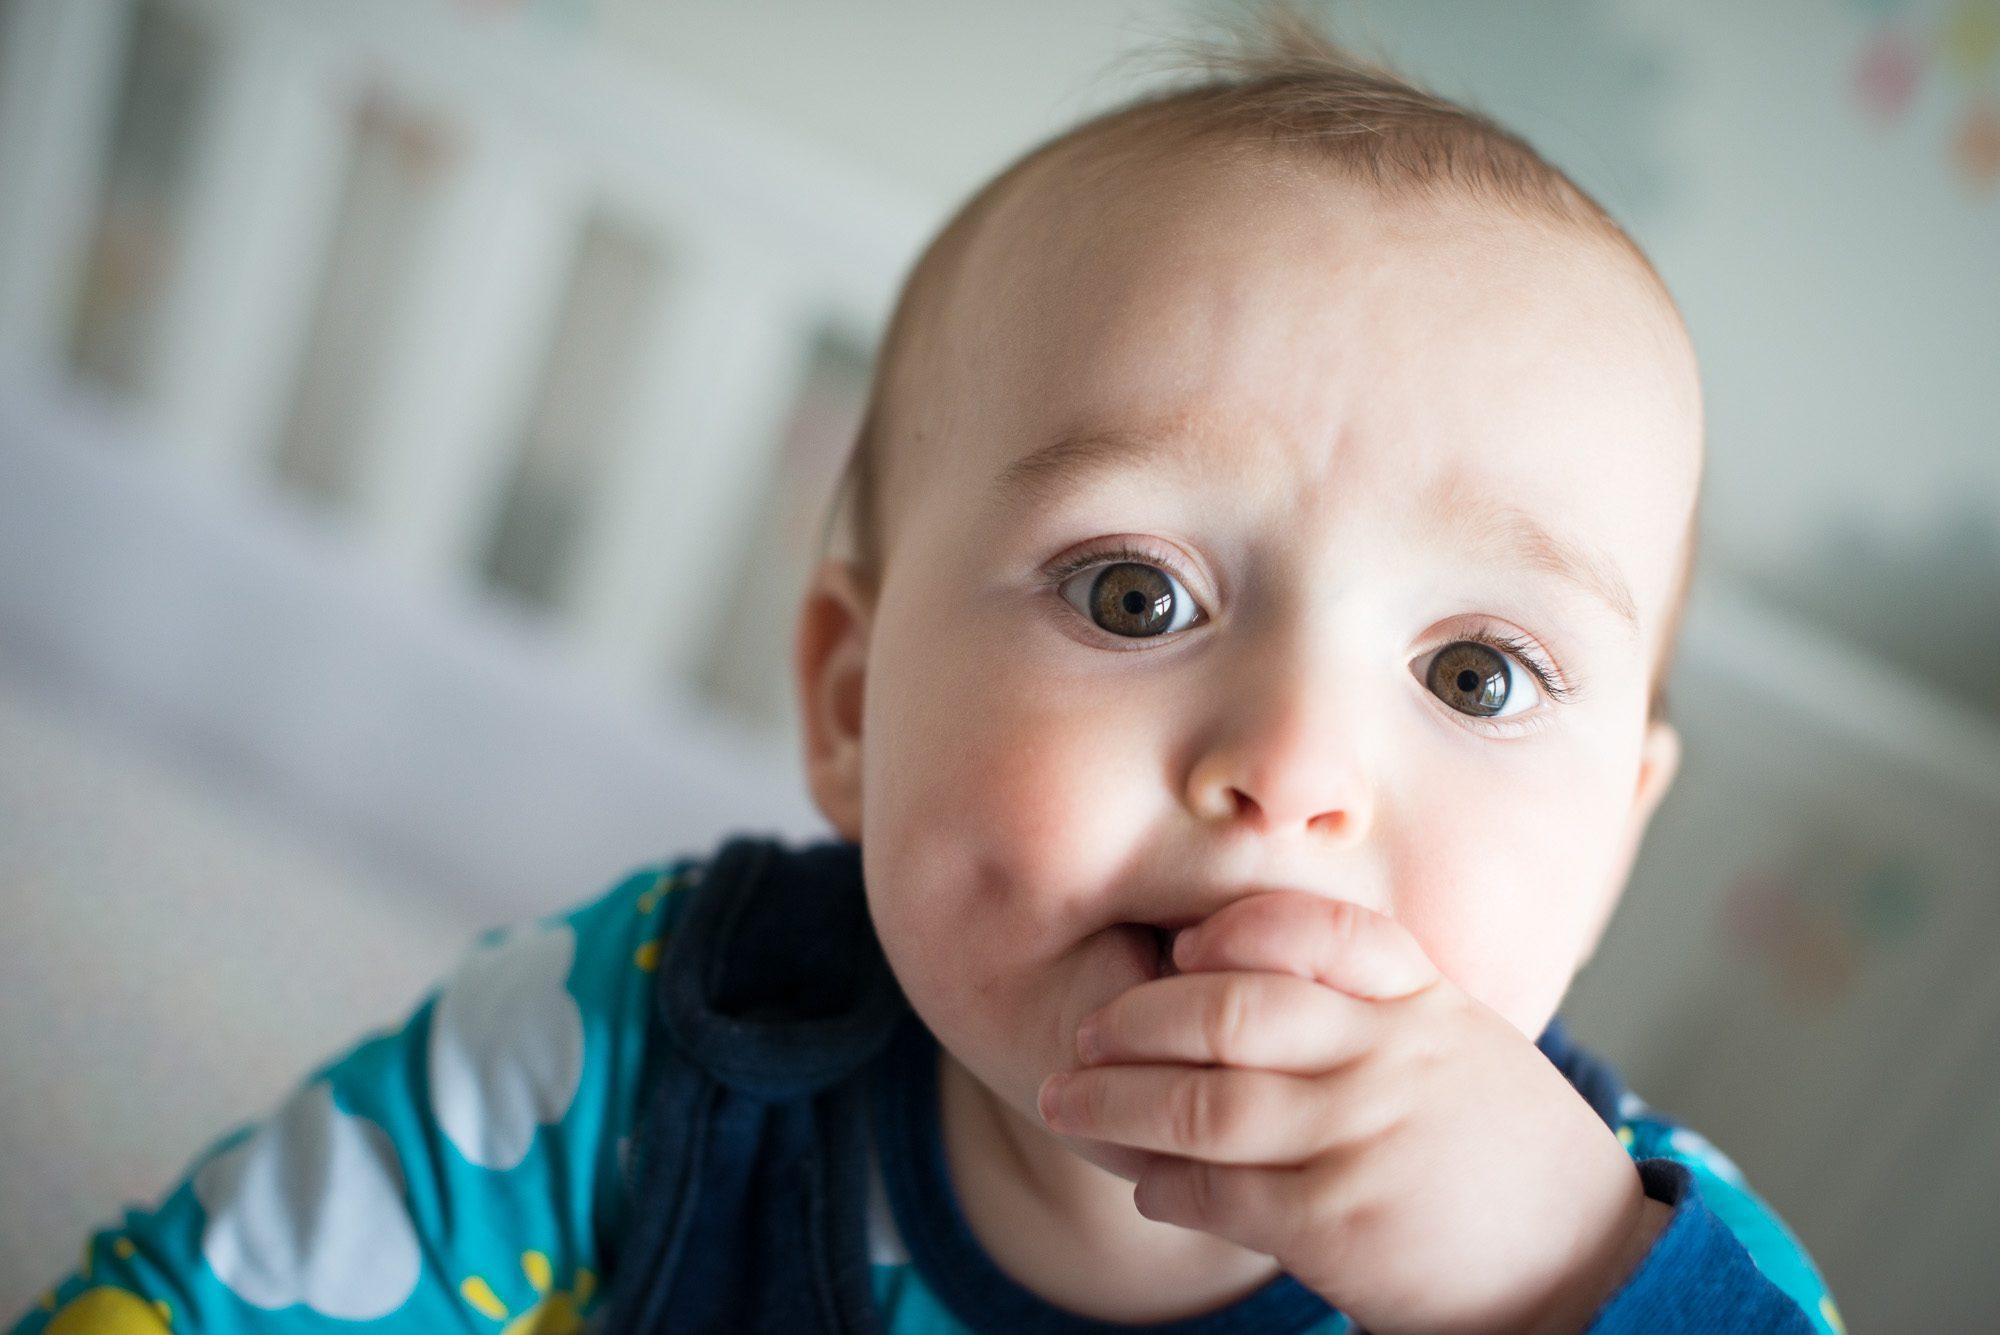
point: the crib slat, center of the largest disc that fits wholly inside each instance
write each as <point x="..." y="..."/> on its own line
<point x="432" y="455"/>
<point x="58" y="94"/>
<point x="264" y="197"/>
<point x="682" y="480"/>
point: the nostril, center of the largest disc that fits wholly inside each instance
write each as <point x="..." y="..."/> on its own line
<point x="1332" y="822"/>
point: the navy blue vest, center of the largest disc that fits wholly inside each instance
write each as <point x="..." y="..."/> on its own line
<point x="775" y="1015"/>
<point x="749" y="1196"/>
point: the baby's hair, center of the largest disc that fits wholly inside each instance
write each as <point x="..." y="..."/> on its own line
<point x="1279" y="83"/>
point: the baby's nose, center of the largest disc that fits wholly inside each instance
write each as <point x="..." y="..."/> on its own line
<point x="1321" y="794"/>
<point x="1288" y="736"/>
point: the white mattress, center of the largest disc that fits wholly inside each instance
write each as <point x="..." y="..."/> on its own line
<point x="133" y="1034"/>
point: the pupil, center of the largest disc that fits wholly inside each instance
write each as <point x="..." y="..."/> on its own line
<point x="1468" y="681"/>
<point x="1132" y="599"/>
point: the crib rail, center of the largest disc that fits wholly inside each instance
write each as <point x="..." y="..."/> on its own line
<point x="502" y="149"/>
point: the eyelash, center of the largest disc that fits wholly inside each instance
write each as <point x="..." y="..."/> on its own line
<point x="1546" y="675"/>
<point x="1522" y="651"/>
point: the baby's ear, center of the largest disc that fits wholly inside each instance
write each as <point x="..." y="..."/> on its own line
<point x="1659" y="762"/>
<point x="830" y="667"/>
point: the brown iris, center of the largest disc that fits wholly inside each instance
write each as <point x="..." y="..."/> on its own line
<point x="1132" y="599"/>
<point x="1471" y="678"/>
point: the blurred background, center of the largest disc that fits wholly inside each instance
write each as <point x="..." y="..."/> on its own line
<point x="416" y="418"/>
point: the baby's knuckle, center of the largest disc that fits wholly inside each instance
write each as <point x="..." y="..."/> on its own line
<point x="1083" y="1098"/>
<point x="1195" y="1111"/>
<point x="1228" y="1023"/>
<point x="1391" y="1112"/>
<point x="1370" y="1114"/>
<point x="1327" y="1211"/>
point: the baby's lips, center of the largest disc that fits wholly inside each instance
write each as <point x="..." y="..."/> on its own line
<point x="1175" y="939"/>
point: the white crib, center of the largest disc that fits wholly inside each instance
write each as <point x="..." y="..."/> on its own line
<point x="354" y="247"/>
<point x="388" y="464"/>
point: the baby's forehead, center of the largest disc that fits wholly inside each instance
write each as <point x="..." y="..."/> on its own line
<point x="1083" y="238"/>
<point x="1077" y="199"/>
<point x="1234" y="295"/>
<point x="1101" y="295"/>
<point x="1289" y="349"/>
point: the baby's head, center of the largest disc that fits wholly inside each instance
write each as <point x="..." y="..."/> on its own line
<point x="1287" y="483"/>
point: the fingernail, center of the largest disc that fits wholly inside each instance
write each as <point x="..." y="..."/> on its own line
<point x="1086" y="1041"/>
<point x="1050" y="1102"/>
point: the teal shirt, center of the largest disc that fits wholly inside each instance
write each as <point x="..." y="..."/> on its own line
<point x="465" y="1172"/>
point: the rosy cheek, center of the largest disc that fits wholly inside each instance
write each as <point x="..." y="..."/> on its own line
<point x="1506" y="919"/>
<point x="989" y="748"/>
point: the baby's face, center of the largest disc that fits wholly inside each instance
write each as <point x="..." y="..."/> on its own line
<point x="1208" y="470"/>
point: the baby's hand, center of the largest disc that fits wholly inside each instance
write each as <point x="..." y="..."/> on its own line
<point x="1315" y="1090"/>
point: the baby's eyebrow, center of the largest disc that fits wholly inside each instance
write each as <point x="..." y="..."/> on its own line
<point x="1505" y="531"/>
<point x="1069" y="461"/>
<point x="1454" y="504"/>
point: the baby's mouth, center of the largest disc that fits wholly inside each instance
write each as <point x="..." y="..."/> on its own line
<point x="1149" y="947"/>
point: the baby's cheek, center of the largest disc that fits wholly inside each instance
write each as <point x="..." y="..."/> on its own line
<point x="1502" y="906"/>
<point x="989" y="758"/>
<point x="1003" y="816"/>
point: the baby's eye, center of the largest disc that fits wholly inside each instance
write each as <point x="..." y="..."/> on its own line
<point x="1479" y="680"/>
<point x="1130" y="598"/>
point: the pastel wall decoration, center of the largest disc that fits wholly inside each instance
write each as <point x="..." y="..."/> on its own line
<point x="1977" y="144"/>
<point x="1814" y="921"/>
<point x="1971" y="39"/>
<point x="1961" y="39"/>
<point x="1887" y="75"/>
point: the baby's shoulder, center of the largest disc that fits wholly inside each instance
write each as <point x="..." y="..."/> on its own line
<point x="1647" y="1133"/>
<point x="624" y="927"/>
<point x="1650" y="1134"/>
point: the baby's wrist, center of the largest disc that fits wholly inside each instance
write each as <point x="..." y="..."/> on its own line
<point x="1578" y="1302"/>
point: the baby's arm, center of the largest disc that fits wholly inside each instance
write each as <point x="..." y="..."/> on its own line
<point x="461" y="1171"/>
<point x="1717" y="1262"/>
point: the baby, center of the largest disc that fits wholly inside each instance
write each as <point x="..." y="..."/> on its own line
<point x="1240" y="708"/>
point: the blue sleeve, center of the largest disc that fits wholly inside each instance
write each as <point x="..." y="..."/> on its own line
<point x="457" y="1174"/>
<point x="1725" y="1262"/>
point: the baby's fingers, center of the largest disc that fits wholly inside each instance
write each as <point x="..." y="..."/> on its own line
<point x="1270" y="1020"/>
<point x="1336" y="942"/>
<point x="1283" y="1211"/>
<point x="1218" y="1113"/>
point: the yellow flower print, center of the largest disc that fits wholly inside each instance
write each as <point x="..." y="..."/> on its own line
<point x="650" y="900"/>
<point x="110" y="1312"/>
<point x="554" y="1313"/>
<point x="647" y="957"/>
